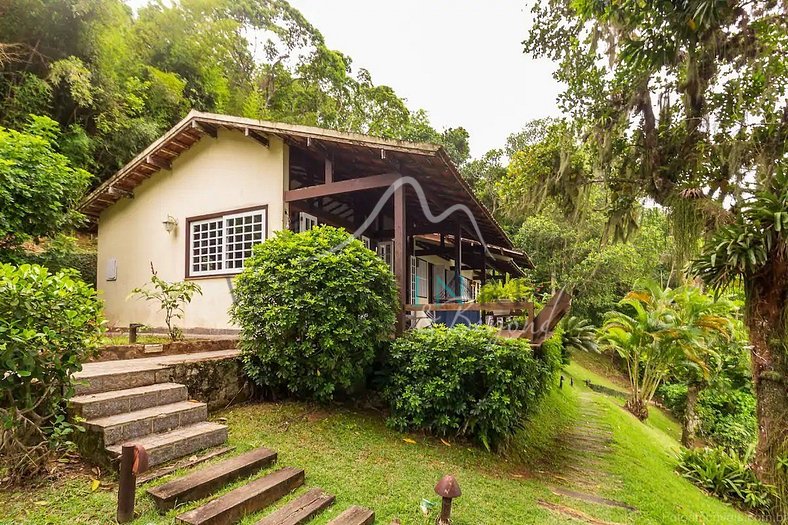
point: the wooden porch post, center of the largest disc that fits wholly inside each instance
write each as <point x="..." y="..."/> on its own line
<point x="400" y="255"/>
<point x="458" y="262"/>
<point x="484" y="266"/>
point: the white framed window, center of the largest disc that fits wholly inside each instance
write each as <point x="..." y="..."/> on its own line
<point x="419" y="280"/>
<point x="367" y="242"/>
<point x="306" y="222"/>
<point x="386" y="252"/>
<point x="219" y="244"/>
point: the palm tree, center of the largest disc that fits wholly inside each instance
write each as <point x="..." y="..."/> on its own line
<point x="657" y="329"/>
<point x="708" y="326"/>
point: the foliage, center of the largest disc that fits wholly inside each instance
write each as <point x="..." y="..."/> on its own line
<point x="684" y="104"/>
<point x="464" y="381"/>
<point x="313" y="308"/>
<point x="38" y="186"/>
<point x="751" y="251"/>
<point x="579" y="334"/>
<point x="117" y="80"/>
<point x="49" y="325"/>
<point x="729" y="477"/>
<point x="551" y="170"/>
<point x="516" y="290"/>
<point x="572" y="254"/>
<point x="727" y="416"/>
<point x="172" y="297"/>
<point x="59" y="253"/>
<point x="656" y="329"/>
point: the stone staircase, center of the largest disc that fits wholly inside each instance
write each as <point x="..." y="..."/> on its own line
<point x="134" y="400"/>
<point x="252" y="497"/>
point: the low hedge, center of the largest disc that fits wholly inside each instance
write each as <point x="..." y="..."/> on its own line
<point x="465" y="382"/>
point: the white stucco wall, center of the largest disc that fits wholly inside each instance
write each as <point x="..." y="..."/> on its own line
<point x="215" y="175"/>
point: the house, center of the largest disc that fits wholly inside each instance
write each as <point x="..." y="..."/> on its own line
<point x="194" y="203"/>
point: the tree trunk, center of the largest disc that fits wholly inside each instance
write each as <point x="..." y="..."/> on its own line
<point x="637" y="407"/>
<point x="766" y="311"/>
<point x="691" y="421"/>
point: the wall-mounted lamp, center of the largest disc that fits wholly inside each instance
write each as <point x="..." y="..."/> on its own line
<point x="170" y="224"/>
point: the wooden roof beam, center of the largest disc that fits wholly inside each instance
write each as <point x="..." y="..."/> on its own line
<point x="208" y="129"/>
<point x="252" y="134"/>
<point x="159" y="162"/>
<point x="344" y="186"/>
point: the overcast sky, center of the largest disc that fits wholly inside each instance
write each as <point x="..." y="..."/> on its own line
<point x="461" y="60"/>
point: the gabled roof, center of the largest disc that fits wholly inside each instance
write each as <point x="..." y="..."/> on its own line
<point x="428" y="163"/>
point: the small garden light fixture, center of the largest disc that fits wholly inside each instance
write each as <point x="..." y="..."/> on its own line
<point x="448" y="489"/>
<point x="170" y="223"/>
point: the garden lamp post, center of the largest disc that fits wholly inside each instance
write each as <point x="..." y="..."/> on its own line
<point x="448" y="489"/>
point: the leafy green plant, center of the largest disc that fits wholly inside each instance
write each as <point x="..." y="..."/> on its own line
<point x="314" y="309"/>
<point x="60" y="253"/>
<point x="657" y="329"/>
<point x="38" y="186"/>
<point x="512" y="290"/>
<point x="464" y="381"/>
<point x="579" y="334"/>
<point x="171" y="296"/>
<point x="729" y="477"/>
<point x="49" y="325"/>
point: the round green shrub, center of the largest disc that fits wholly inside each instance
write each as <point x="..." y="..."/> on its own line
<point x="314" y="308"/>
<point x="465" y="381"/>
<point x="49" y="325"/>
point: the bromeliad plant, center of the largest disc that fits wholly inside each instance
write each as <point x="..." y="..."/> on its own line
<point x="656" y="329"/>
<point x="171" y="296"/>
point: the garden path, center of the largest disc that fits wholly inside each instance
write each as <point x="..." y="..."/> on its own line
<point x="583" y="449"/>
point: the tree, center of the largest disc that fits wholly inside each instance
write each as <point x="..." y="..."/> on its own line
<point x="682" y="102"/>
<point x="752" y="251"/>
<point x="115" y="82"/>
<point x="656" y="329"/>
<point x="38" y="186"/>
<point x="702" y="317"/>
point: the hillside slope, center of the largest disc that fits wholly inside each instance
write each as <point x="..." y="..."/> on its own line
<point x="581" y="459"/>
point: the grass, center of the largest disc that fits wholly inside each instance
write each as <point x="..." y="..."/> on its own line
<point x="352" y="454"/>
<point x="143" y="339"/>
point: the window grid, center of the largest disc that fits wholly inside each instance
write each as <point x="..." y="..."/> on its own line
<point x="220" y="245"/>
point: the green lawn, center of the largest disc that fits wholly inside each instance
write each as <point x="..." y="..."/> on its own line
<point x="352" y="454"/>
<point x="142" y="339"/>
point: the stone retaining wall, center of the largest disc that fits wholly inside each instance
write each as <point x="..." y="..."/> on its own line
<point x="218" y="383"/>
<point x="116" y="352"/>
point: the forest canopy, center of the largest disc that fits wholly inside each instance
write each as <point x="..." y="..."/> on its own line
<point x="115" y="81"/>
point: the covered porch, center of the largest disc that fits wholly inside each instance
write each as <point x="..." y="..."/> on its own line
<point x="409" y="203"/>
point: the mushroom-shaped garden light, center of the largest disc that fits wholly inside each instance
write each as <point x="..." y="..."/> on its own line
<point x="448" y="489"/>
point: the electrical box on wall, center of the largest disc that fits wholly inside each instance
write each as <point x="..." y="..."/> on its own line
<point x="112" y="269"/>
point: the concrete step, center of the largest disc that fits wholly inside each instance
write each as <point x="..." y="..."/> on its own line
<point x="206" y="481"/>
<point x="256" y="495"/>
<point x="94" y="406"/>
<point x="354" y="515"/>
<point x="124" y="427"/>
<point x="300" y="510"/>
<point x="120" y="375"/>
<point x="165" y="446"/>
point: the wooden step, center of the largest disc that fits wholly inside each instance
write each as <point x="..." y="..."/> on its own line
<point x="204" y="482"/>
<point x="355" y="515"/>
<point x="94" y="406"/>
<point x="300" y="510"/>
<point x="250" y="498"/>
<point x="153" y="420"/>
<point x="177" y="443"/>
